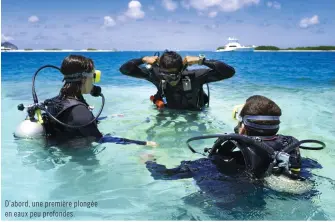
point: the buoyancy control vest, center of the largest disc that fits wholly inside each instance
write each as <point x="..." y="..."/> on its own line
<point x="187" y="94"/>
<point x="258" y="160"/>
<point x="56" y="107"/>
<point x="262" y="156"/>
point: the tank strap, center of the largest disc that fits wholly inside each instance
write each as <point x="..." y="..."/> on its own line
<point x="57" y="106"/>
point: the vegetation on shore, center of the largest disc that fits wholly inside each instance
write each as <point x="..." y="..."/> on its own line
<point x="53" y="49"/>
<point x="267" y="47"/>
<point x="296" y="48"/>
<point x="28" y="49"/>
<point x="91" y="49"/>
<point x="313" y="48"/>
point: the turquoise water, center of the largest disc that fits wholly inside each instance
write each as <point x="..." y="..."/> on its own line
<point x="303" y="84"/>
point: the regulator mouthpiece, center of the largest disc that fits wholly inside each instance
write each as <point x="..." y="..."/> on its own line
<point x="96" y="91"/>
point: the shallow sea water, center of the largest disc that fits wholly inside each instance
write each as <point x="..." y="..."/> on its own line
<point x="303" y="84"/>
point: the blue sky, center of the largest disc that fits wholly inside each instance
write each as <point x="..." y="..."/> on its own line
<point x="166" y="24"/>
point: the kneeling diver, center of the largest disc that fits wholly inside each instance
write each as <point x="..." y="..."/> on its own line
<point x="67" y="118"/>
<point x="251" y="154"/>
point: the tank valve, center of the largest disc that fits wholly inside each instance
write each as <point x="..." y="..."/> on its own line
<point x="20" y="107"/>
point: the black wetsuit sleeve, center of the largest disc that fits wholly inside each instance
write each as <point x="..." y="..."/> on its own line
<point x="160" y="172"/>
<point x="132" y="68"/>
<point x="217" y="71"/>
<point x="118" y="140"/>
<point x="80" y="115"/>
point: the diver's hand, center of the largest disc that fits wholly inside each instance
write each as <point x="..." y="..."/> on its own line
<point x="150" y="59"/>
<point x="151" y="143"/>
<point x="147" y="157"/>
<point x="191" y="60"/>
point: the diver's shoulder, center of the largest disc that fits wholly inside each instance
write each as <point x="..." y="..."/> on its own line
<point x="287" y="137"/>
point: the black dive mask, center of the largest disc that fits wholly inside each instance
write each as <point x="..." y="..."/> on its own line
<point x="171" y="78"/>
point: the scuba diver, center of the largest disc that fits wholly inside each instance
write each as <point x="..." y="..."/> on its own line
<point x="67" y="118"/>
<point x="177" y="87"/>
<point x="252" y="153"/>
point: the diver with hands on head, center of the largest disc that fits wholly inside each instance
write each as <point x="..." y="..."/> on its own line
<point x="178" y="87"/>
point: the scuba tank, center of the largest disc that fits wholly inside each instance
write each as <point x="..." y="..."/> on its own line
<point x="30" y="127"/>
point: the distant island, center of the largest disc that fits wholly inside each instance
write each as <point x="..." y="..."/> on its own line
<point x="267" y="47"/>
<point x="308" y="48"/>
<point x="8" y="46"/>
<point x="53" y="49"/>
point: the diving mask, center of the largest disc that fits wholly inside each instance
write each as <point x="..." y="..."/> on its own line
<point x="236" y="112"/>
<point x="248" y="120"/>
<point x="96" y="75"/>
<point x="76" y="77"/>
<point x="171" y="78"/>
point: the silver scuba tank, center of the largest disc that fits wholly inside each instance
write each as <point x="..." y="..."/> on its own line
<point x="29" y="129"/>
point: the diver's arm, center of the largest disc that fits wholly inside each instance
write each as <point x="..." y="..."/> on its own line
<point x="218" y="71"/>
<point x="160" y="172"/>
<point x="81" y="115"/>
<point x="131" y="68"/>
<point x="124" y="141"/>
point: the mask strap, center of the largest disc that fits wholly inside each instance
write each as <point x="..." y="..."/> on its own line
<point x="246" y="122"/>
<point x="261" y="117"/>
<point x="72" y="77"/>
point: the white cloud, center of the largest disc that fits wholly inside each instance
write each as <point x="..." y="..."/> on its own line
<point x="33" y="19"/>
<point x="212" y="14"/>
<point x="170" y="5"/>
<point x="134" y="10"/>
<point x="306" y="22"/>
<point x="274" y="4"/>
<point x="6" y="38"/>
<point x="109" y="21"/>
<point x="223" y="5"/>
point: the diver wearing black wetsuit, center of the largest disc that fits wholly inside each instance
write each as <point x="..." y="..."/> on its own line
<point x="238" y="165"/>
<point x="226" y="185"/>
<point x="68" y="118"/>
<point x="188" y="92"/>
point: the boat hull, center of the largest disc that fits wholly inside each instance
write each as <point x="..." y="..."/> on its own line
<point x="237" y="50"/>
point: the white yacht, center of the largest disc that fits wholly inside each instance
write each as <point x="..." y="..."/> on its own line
<point x="234" y="45"/>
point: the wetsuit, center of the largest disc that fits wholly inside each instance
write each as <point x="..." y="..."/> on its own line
<point x="177" y="97"/>
<point x="224" y="185"/>
<point x="230" y="173"/>
<point x="76" y="112"/>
